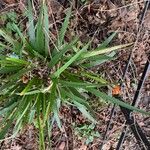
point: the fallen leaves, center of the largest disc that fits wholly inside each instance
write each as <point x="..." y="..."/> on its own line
<point x="62" y="146"/>
<point x="10" y="1"/>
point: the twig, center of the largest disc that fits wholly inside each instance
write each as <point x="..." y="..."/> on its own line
<point x="139" y="135"/>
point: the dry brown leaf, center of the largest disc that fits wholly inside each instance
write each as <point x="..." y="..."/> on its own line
<point x="16" y="147"/>
<point x="54" y="6"/>
<point x="83" y="147"/>
<point x="62" y="146"/>
<point x="10" y="1"/>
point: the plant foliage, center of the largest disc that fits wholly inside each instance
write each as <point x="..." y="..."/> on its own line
<point x="36" y="78"/>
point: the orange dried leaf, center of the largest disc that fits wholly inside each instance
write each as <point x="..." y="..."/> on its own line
<point x="116" y="90"/>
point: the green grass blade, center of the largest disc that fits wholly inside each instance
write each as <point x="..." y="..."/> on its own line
<point x="96" y="63"/>
<point x="78" y="84"/>
<point x="77" y="97"/>
<point x="75" y="92"/>
<point x="17" y="128"/>
<point x="107" y="41"/>
<point x="99" y="59"/>
<point x="7" y="109"/>
<point x="40" y="123"/>
<point x="33" y="52"/>
<point x="28" y="87"/>
<point x="82" y="105"/>
<point x="33" y="92"/>
<point x="94" y="77"/>
<point x="102" y="57"/>
<point x="31" y="116"/>
<point x="17" y="61"/>
<point x="25" y="108"/>
<point x="22" y="37"/>
<point x="40" y="39"/>
<point x="16" y="45"/>
<point x="58" y="56"/>
<point x="19" y="74"/>
<point x="6" y="128"/>
<point x="116" y="101"/>
<point x="64" y="28"/>
<point x="56" y="113"/>
<point x="49" y="129"/>
<point x="72" y="76"/>
<point x="66" y="65"/>
<point x="52" y="98"/>
<point x="6" y="86"/>
<point x="16" y="28"/>
<point x="46" y="30"/>
<point x="4" y="46"/>
<point x="10" y="69"/>
<point x="14" y="78"/>
<point x="104" y="51"/>
<point x="7" y="37"/>
<point x="84" y="111"/>
<point x="31" y="28"/>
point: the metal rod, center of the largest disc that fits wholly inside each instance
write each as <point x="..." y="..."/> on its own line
<point x="107" y="128"/>
<point x="127" y="114"/>
<point x="122" y="137"/>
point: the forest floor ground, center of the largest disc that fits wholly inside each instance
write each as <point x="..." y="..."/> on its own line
<point x="96" y="19"/>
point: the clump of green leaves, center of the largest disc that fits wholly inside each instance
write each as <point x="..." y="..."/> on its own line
<point x="86" y="132"/>
<point x="36" y="78"/>
<point x="8" y="20"/>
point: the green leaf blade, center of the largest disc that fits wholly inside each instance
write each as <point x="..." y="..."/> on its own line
<point x="116" y="101"/>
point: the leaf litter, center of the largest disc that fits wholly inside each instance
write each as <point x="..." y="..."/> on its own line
<point x="92" y="20"/>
